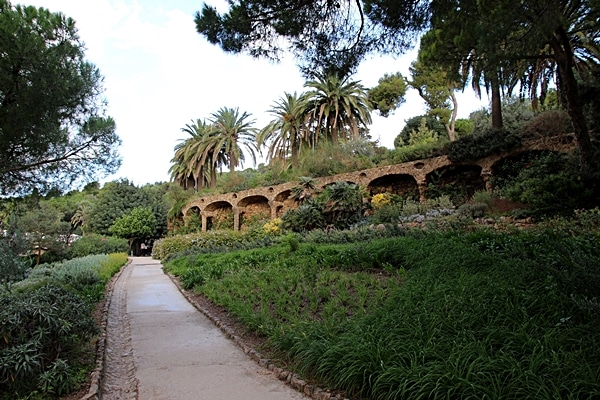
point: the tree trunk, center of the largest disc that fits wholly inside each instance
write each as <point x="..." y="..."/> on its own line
<point x="563" y="55"/>
<point x="231" y="164"/>
<point x="450" y="127"/>
<point x="213" y="176"/>
<point x="333" y="129"/>
<point x="294" y="155"/>
<point x="496" y="104"/>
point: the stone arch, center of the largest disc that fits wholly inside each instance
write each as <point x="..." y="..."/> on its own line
<point x="457" y="181"/>
<point x="280" y="210"/>
<point x="252" y="208"/>
<point x="283" y="202"/>
<point x="219" y="215"/>
<point x="404" y="185"/>
<point x="283" y="196"/>
<point x="192" y="218"/>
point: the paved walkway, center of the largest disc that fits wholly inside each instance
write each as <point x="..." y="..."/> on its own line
<point x="163" y="348"/>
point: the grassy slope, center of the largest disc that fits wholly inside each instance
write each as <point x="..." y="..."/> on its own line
<point x="429" y="315"/>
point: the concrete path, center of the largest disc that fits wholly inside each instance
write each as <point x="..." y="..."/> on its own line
<point x="173" y="351"/>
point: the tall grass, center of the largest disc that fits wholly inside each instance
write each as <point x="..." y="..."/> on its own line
<point x="483" y="315"/>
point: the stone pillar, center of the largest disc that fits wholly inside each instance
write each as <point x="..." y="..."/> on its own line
<point x="236" y="219"/>
<point x="486" y="174"/>
<point x="273" y="206"/>
<point x="204" y="221"/>
<point x="422" y="185"/>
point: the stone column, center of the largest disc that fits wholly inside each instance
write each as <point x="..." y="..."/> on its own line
<point x="204" y="221"/>
<point x="236" y="219"/>
<point x="422" y="185"/>
<point x="273" y="206"/>
<point x="486" y="174"/>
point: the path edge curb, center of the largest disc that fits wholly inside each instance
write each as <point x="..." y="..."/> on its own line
<point x="96" y="375"/>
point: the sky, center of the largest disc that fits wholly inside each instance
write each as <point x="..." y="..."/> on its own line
<point x="160" y="74"/>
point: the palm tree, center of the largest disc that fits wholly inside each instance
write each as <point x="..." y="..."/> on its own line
<point x="189" y="160"/>
<point x="80" y="216"/>
<point x="285" y="133"/>
<point x="213" y="156"/>
<point x="339" y="106"/>
<point x="232" y="131"/>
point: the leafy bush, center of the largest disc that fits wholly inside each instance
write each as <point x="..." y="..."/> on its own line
<point x="554" y="184"/>
<point x="306" y="217"/>
<point x="417" y="151"/>
<point x="387" y="213"/>
<point x="547" y="124"/>
<point x="414" y="124"/>
<point x="458" y="182"/>
<point x="98" y="244"/>
<point x="483" y="196"/>
<point x="474" y="210"/>
<point x="342" y="204"/>
<point x="273" y="227"/>
<point x="47" y="323"/>
<point x="480" y="145"/>
<point x="40" y="330"/>
<point x="13" y="267"/>
<point x="208" y="242"/>
<point x="111" y="265"/>
<point x="358" y="234"/>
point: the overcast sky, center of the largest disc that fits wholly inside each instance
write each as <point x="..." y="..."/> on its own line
<point x="159" y="75"/>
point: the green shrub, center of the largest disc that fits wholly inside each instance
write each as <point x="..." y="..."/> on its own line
<point x="483" y="196"/>
<point x="13" y="267"/>
<point x="547" y="124"/>
<point x="111" y="265"/>
<point x="40" y="329"/>
<point x="58" y="379"/>
<point x="387" y="213"/>
<point x="474" y="210"/>
<point x="554" y="184"/>
<point x="211" y="241"/>
<point x="306" y="217"/>
<point x="480" y="145"/>
<point x="98" y="244"/>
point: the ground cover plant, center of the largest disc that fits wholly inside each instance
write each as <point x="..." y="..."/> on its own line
<point x="47" y="326"/>
<point x="428" y="314"/>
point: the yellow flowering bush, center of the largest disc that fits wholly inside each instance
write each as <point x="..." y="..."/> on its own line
<point x="380" y="200"/>
<point x="273" y="226"/>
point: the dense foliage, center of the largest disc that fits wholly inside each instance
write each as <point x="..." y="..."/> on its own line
<point x="98" y="244"/>
<point x="480" y="145"/>
<point x="47" y="325"/>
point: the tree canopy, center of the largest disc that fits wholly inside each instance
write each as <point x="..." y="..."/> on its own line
<point x="328" y="36"/>
<point x="114" y="200"/>
<point x="140" y="223"/>
<point x="498" y="44"/>
<point x="53" y="131"/>
<point x="389" y="93"/>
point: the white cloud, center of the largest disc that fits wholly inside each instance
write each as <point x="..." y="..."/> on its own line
<point x="160" y="74"/>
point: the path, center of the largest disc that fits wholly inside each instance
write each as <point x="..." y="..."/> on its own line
<point x="160" y="347"/>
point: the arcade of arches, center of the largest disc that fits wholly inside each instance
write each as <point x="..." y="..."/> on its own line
<point x="410" y="179"/>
